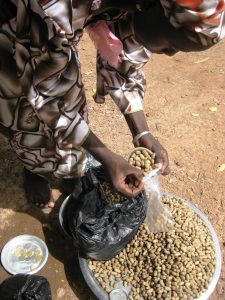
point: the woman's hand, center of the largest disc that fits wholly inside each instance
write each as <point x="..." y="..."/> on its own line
<point x="148" y="141"/>
<point x="125" y="178"/>
<point x="137" y="124"/>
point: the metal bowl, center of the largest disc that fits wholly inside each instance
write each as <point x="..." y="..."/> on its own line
<point x="25" y="254"/>
<point x="102" y="295"/>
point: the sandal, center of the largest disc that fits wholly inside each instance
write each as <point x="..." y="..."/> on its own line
<point x="38" y="191"/>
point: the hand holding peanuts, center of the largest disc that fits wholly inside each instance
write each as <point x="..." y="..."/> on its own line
<point x="143" y="159"/>
<point x="149" y="142"/>
<point x="125" y="178"/>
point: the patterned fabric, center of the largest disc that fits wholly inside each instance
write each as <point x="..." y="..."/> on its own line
<point x="125" y="84"/>
<point x="205" y="18"/>
<point x="91" y="163"/>
<point x="42" y="99"/>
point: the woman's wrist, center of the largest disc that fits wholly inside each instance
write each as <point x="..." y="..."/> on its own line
<point x="137" y="123"/>
<point x="140" y="135"/>
<point x="96" y="148"/>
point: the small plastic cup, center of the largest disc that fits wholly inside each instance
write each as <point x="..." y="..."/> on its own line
<point x="154" y="171"/>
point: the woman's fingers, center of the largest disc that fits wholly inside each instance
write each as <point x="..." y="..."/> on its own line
<point x="166" y="170"/>
<point x="130" y="191"/>
<point x="125" y="178"/>
<point x="163" y="160"/>
<point x="130" y="185"/>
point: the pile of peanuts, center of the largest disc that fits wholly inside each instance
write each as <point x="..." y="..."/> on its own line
<point x="143" y="159"/>
<point x="173" y="265"/>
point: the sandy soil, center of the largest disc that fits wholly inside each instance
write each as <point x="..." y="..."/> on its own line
<point x="181" y="91"/>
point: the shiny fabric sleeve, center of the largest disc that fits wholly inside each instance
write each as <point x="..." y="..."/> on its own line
<point x="125" y="84"/>
<point x="203" y="20"/>
<point x="49" y="74"/>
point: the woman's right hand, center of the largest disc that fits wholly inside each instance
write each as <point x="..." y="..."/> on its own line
<point x="125" y="178"/>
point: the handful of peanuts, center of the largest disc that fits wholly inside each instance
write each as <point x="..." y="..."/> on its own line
<point x="143" y="159"/>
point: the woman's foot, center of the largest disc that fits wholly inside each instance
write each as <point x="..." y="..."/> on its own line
<point x="38" y="191"/>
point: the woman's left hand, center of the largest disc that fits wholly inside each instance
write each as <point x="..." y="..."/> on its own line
<point x="148" y="141"/>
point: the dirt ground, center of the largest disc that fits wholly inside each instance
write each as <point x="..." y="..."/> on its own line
<point x="185" y="108"/>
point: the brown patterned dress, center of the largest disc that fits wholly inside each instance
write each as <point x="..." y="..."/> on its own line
<point x="42" y="100"/>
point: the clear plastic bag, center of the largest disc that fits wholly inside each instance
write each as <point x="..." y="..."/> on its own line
<point x="159" y="218"/>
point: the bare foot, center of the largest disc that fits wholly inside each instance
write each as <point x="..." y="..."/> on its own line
<point x="38" y="191"/>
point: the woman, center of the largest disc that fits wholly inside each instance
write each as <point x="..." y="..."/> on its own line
<point x="43" y="105"/>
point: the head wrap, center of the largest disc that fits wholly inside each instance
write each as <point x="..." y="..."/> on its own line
<point x="203" y="19"/>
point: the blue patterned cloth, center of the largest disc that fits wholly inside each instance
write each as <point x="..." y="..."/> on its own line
<point x="91" y="163"/>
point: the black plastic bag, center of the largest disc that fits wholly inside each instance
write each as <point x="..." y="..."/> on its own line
<point x="25" y="287"/>
<point x="101" y="231"/>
